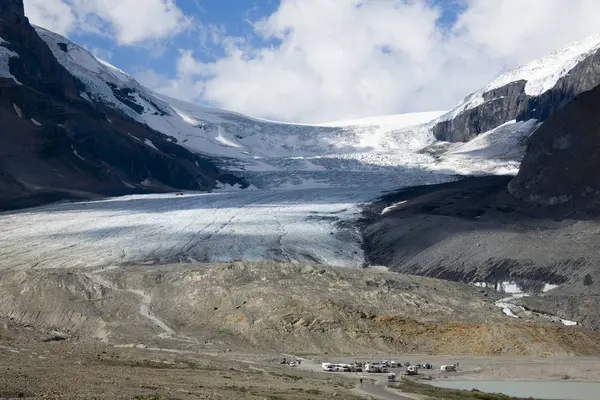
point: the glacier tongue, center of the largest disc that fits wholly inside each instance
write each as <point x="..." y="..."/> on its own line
<point x="286" y="225"/>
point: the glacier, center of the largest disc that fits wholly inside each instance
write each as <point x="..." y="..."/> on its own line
<point x="308" y="182"/>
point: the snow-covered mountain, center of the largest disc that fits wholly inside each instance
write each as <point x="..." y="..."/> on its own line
<point x="397" y="149"/>
<point x="278" y="154"/>
<point x="56" y="144"/>
<point x="532" y="91"/>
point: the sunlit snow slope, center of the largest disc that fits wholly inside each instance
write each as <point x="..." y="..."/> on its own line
<point x="540" y="75"/>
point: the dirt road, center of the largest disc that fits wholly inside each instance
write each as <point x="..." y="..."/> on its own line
<point x="379" y="390"/>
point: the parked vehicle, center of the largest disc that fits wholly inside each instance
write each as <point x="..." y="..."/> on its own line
<point x="412" y="370"/>
<point x="328" y="367"/>
<point x="372" y="368"/>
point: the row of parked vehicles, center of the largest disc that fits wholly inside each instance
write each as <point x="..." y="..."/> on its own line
<point x="354" y="367"/>
<point x="395" y="364"/>
<point x="374" y="367"/>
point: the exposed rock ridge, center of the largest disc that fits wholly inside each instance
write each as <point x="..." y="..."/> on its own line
<point x="510" y="102"/>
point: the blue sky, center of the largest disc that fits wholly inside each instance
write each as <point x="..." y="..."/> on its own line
<point x="318" y="60"/>
<point x="231" y="16"/>
<point x="234" y="17"/>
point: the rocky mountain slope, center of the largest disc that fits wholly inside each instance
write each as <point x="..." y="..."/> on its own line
<point x="537" y="229"/>
<point x="96" y="131"/>
<point x="278" y="307"/>
<point x="56" y="144"/>
<point x="533" y="91"/>
<point x="563" y="157"/>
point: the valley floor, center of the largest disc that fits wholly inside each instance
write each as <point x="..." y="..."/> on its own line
<point x="219" y="331"/>
<point x="34" y="367"/>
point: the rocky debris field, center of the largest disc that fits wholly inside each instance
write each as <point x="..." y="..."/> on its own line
<point x="271" y="307"/>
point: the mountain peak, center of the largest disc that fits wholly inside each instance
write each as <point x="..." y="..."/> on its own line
<point x="12" y="10"/>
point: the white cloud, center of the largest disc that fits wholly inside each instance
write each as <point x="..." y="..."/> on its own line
<point x="319" y="60"/>
<point x="335" y="59"/>
<point x="129" y="22"/>
<point x="54" y="15"/>
<point x="186" y="89"/>
<point x="103" y="54"/>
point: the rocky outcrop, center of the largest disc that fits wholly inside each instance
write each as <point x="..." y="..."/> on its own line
<point x="56" y="144"/>
<point x="12" y="11"/>
<point x="563" y="158"/>
<point x="510" y="102"/>
<point x="474" y="231"/>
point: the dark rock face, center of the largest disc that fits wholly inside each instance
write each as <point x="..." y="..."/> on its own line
<point x="510" y="102"/>
<point x="475" y="231"/>
<point x="12" y="11"/>
<point x="54" y="144"/>
<point x="563" y="157"/>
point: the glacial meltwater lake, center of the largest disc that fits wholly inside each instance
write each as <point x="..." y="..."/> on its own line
<point x="537" y="390"/>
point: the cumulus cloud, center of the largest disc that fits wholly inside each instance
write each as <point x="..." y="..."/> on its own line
<point x="183" y="88"/>
<point x="332" y="59"/>
<point x="54" y="15"/>
<point x="129" y="22"/>
<point x="322" y="60"/>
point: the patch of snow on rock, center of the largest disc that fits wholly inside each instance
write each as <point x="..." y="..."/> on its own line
<point x="86" y="97"/>
<point x="148" y="142"/>
<point x="568" y="323"/>
<point x="5" y="56"/>
<point x="548" y="287"/>
<point x="392" y="207"/>
<point x="18" y="110"/>
<point x="77" y="154"/>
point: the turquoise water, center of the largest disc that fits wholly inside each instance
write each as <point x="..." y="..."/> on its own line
<point x="537" y="390"/>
